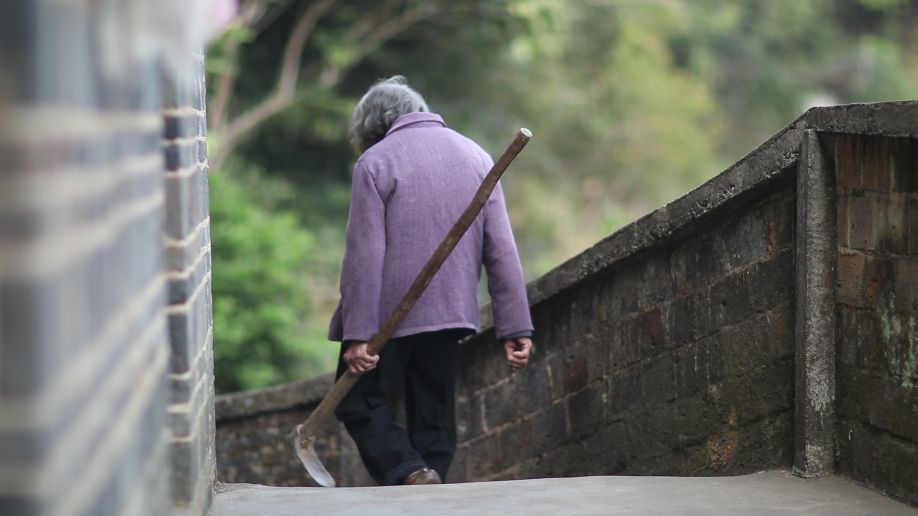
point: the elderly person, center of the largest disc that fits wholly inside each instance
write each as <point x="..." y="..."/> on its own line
<point x="413" y="179"/>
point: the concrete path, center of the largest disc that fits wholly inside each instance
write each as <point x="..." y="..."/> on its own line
<point x="766" y="493"/>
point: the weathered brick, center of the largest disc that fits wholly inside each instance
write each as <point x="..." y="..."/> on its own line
<point x="779" y="331"/>
<point x="879" y="459"/>
<point x="751" y="400"/>
<point x="180" y="289"/>
<point x="877" y="221"/>
<point x="892" y="235"/>
<point x="186" y="203"/>
<point x="501" y="405"/>
<point x="648" y="334"/>
<point x="744" y="240"/>
<point x="771" y="283"/>
<point x="483" y="457"/>
<point x="880" y="400"/>
<point x="779" y="222"/>
<point x="458" y="470"/>
<point x="516" y="444"/>
<point x="861" y="219"/>
<point x="186" y="331"/>
<point x="536" y="391"/>
<point x="875" y="163"/>
<point x="847" y="166"/>
<point x="878" y="280"/>
<point x="904" y="161"/>
<point x="587" y="409"/>
<point x="184" y="466"/>
<point x="913" y="227"/>
<point x="732" y="300"/>
<point x="576" y="370"/>
<point x="656" y="280"/>
<point x="624" y="391"/>
<point x="841" y="221"/>
<point x="555" y="368"/>
<point x="697" y="262"/>
<point x="690" y="371"/>
<point x="906" y="284"/>
<point x="607" y="456"/>
<point x="743" y="346"/>
<point x="550" y="427"/>
<point x="658" y="379"/>
<point x="175" y="126"/>
<point x="850" y="284"/>
<point x="180" y="155"/>
<point x="691" y="318"/>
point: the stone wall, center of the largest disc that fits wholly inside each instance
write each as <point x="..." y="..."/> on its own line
<point x="676" y="361"/>
<point x="253" y="443"/>
<point x="877" y="310"/>
<point x="699" y="340"/>
<point x="189" y="310"/>
<point x="98" y="405"/>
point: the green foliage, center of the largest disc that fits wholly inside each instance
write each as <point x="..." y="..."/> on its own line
<point x="631" y="105"/>
<point x="260" y="299"/>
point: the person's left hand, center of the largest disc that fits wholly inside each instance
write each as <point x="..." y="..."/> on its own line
<point x="518" y="351"/>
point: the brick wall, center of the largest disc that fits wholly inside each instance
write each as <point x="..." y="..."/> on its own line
<point x="877" y="310"/>
<point x="189" y="311"/>
<point x="677" y="361"/>
<point x="96" y="410"/>
<point x="252" y="442"/>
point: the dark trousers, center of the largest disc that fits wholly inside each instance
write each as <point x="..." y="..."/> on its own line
<point x="424" y="365"/>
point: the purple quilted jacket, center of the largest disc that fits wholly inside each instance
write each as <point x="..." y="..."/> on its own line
<point x="407" y="192"/>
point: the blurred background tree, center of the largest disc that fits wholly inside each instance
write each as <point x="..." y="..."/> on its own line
<point x="632" y="104"/>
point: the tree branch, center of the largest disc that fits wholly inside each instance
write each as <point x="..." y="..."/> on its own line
<point x="331" y="75"/>
<point x="250" y="13"/>
<point x="285" y="88"/>
<point x="226" y="82"/>
<point x="375" y="31"/>
<point x="293" y="52"/>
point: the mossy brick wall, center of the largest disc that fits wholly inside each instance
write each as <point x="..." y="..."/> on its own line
<point x="877" y="310"/>
<point x="678" y="361"/>
<point x="105" y="373"/>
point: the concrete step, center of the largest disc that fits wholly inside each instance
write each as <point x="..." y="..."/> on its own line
<point x="765" y="493"/>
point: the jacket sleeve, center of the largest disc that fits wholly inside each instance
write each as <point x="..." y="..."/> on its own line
<point x="505" y="274"/>
<point x="365" y="249"/>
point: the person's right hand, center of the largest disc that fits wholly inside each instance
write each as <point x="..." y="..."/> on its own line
<point x="358" y="360"/>
<point x="518" y="351"/>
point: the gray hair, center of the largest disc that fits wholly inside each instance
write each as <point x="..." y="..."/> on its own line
<point x="383" y="103"/>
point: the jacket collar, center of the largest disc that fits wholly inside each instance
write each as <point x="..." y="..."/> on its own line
<point x="416" y="119"/>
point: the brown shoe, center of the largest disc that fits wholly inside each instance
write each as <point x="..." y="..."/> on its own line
<point x="422" y="476"/>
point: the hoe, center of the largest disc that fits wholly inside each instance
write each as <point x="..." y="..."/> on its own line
<point x="304" y="436"/>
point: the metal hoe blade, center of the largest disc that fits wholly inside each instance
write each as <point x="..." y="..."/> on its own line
<point x="307" y="454"/>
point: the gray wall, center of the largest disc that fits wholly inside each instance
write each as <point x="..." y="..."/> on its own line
<point x="676" y="361"/>
<point x="700" y="339"/>
<point x="105" y="361"/>
<point x="252" y="442"/>
<point x="877" y="310"/>
<point x="190" y="309"/>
